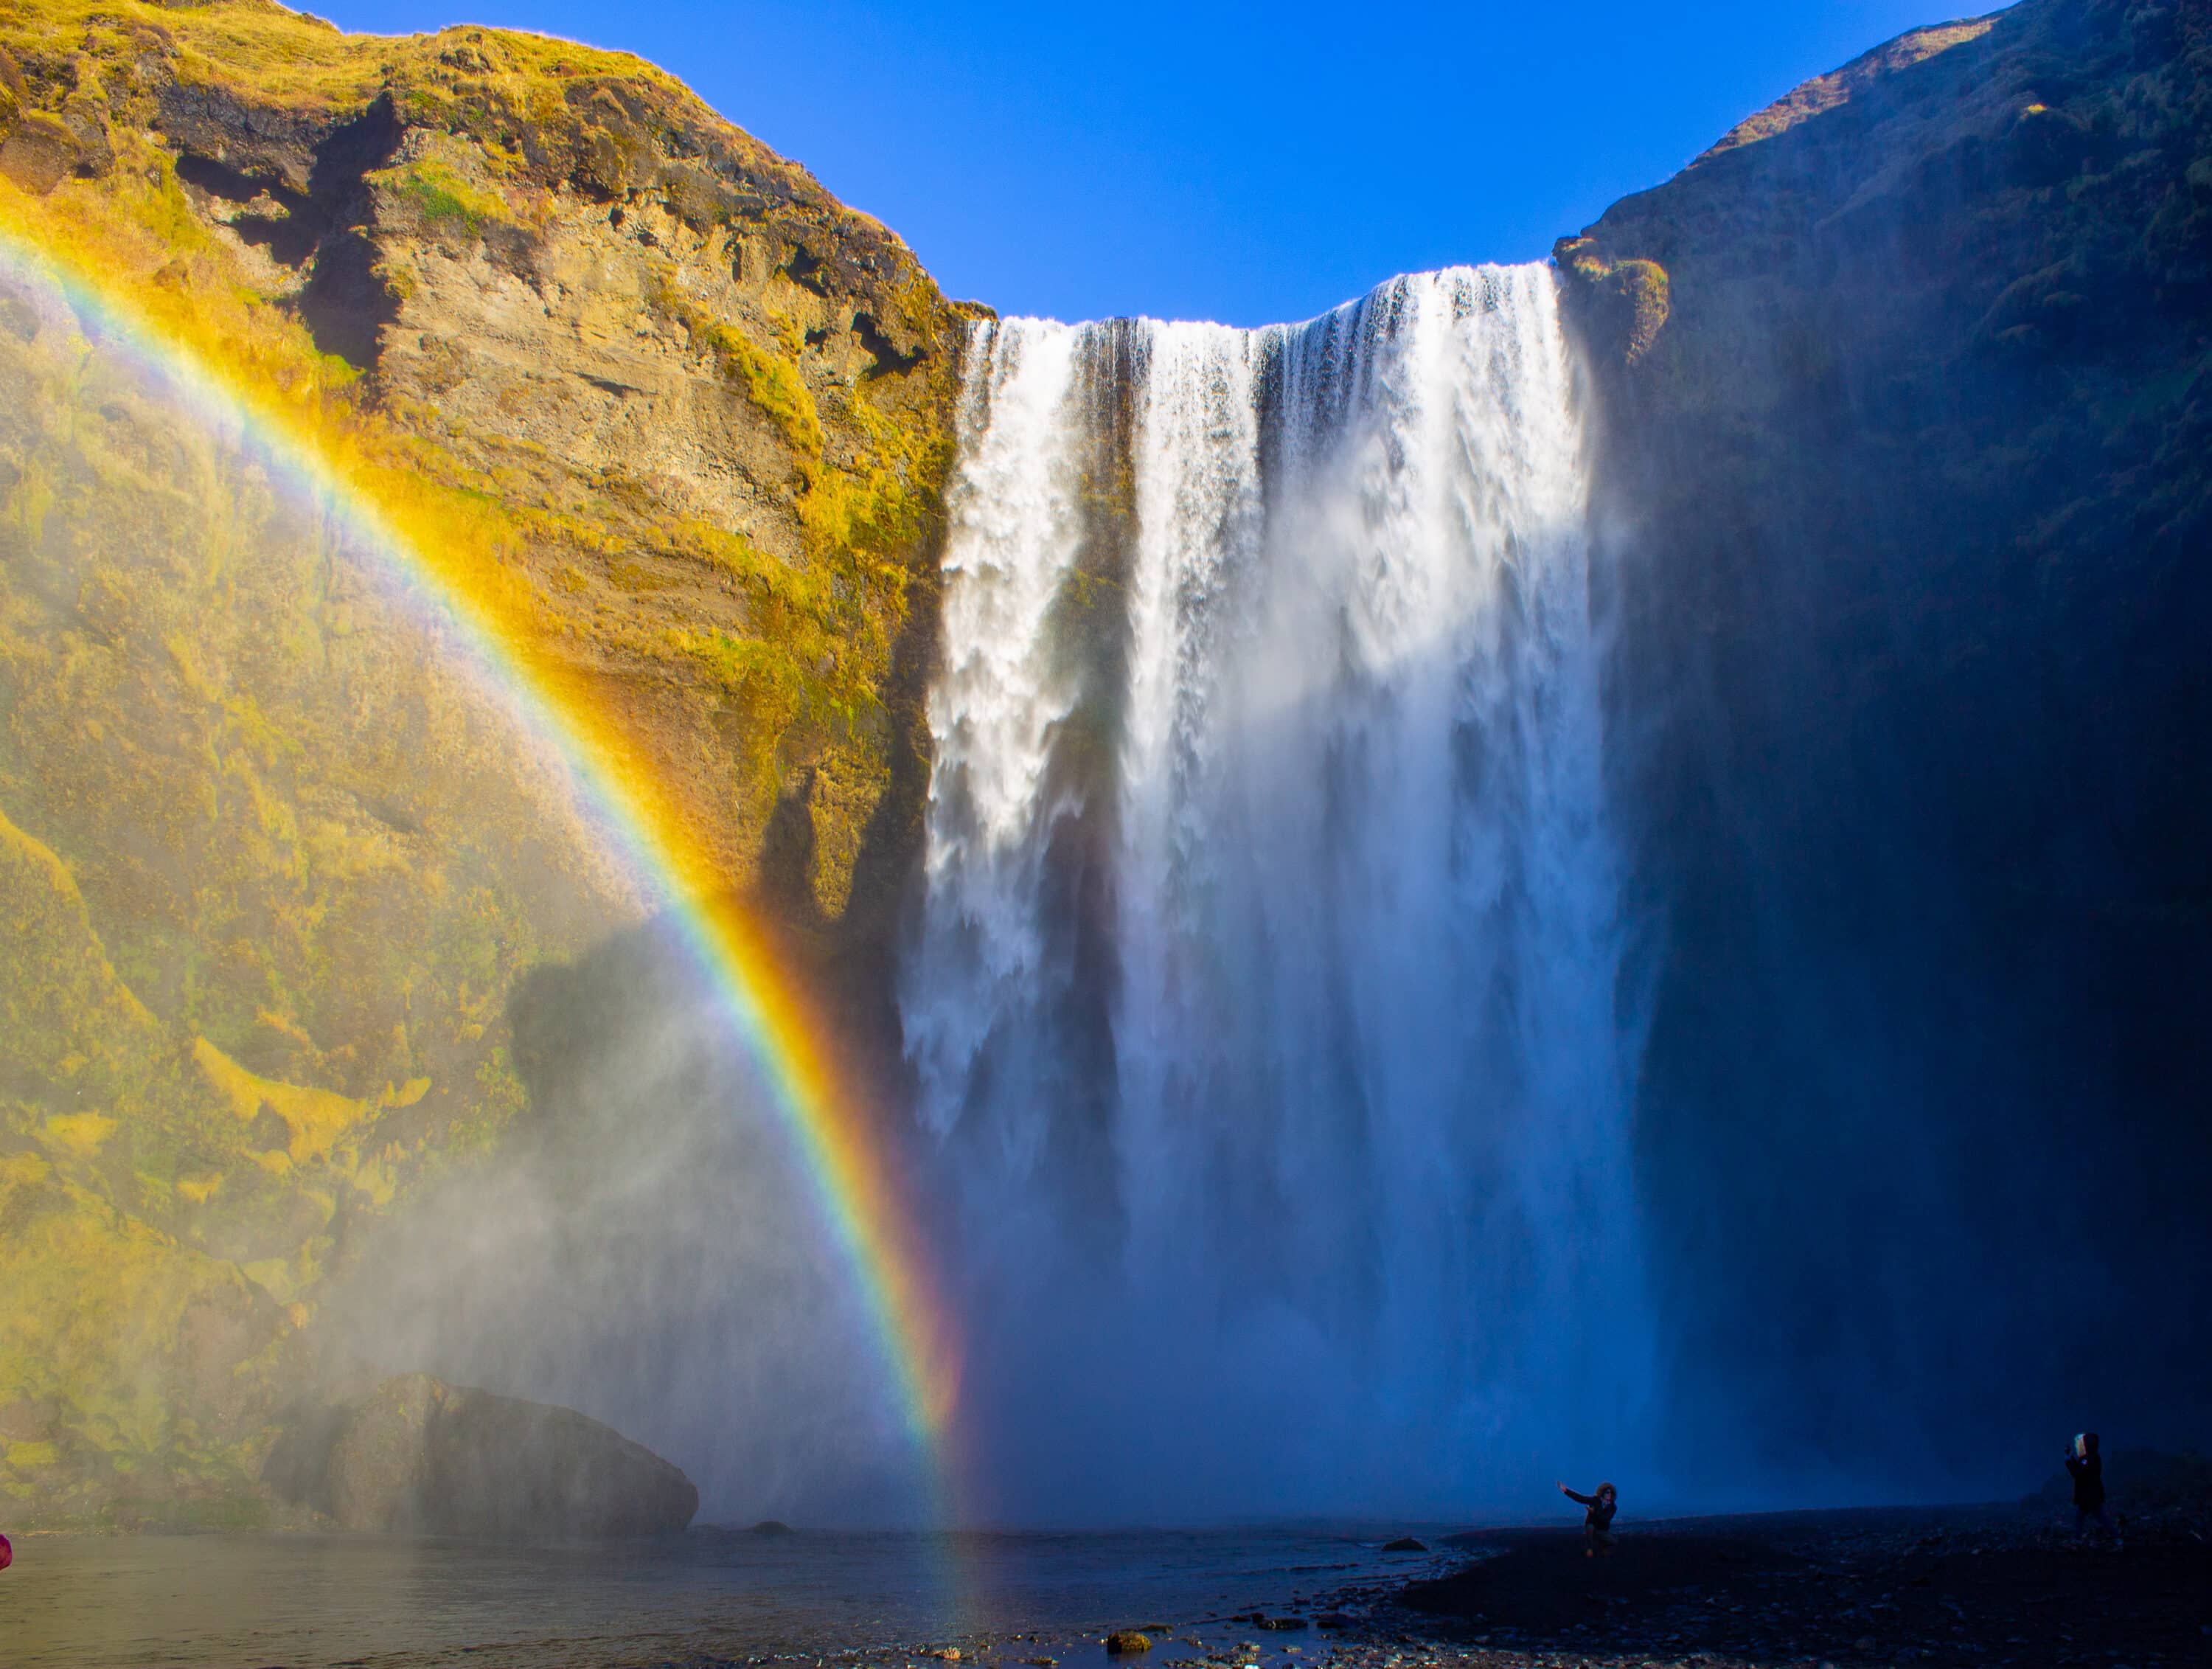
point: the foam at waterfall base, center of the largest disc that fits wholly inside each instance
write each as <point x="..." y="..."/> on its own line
<point x="1265" y="996"/>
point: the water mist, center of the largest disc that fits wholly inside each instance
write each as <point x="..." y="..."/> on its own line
<point x="1265" y="996"/>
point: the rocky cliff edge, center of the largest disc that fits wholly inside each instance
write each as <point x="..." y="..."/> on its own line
<point x="272" y="864"/>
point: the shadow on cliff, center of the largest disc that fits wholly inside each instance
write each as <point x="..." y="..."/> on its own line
<point x="1906" y="518"/>
<point x="345" y="303"/>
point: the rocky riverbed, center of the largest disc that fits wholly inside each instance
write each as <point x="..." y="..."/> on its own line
<point x="1991" y="1588"/>
<point x="1997" y="1586"/>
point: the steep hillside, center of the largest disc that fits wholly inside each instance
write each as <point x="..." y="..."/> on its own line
<point x="1905" y="393"/>
<point x="272" y="860"/>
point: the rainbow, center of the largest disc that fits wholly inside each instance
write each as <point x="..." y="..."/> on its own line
<point x="869" y="1220"/>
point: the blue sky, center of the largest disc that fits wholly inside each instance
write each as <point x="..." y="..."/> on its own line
<point x="1207" y="159"/>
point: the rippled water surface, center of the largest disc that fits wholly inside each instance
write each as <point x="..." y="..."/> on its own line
<point x="708" y="1597"/>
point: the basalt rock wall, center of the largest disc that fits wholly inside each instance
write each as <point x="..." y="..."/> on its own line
<point x="1904" y="395"/>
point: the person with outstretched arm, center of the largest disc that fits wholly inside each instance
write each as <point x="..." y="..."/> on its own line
<point x="1597" y="1522"/>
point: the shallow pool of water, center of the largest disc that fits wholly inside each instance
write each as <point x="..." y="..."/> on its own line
<point x="708" y="1597"/>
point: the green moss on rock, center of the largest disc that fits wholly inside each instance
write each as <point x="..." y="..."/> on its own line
<point x="277" y="864"/>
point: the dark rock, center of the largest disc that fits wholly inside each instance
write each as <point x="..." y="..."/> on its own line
<point x="417" y="1455"/>
<point x="39" y="154"/>
<point x="1406" y="1545"/>
<point x="1900" y="478"/>
<point x="85" y="116"/>
<point x="772" y="1527"/>
<point x="1123" y="1641"/>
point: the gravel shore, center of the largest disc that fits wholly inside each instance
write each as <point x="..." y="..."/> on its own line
<point x="1998" y="1588"/>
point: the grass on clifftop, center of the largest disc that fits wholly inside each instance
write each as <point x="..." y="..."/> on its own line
<point x="268" y="53"/>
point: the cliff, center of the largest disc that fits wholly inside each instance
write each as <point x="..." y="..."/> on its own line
<point x="272" y="859"/>
<point x="1904" y="396"/>
<point x="1900" y="406"/>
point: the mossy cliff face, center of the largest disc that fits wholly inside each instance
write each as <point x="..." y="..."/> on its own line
<point x="1903" y="400"/>
<point x="272" y="862"/>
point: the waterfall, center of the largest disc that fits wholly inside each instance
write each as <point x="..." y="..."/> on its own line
<point x="1265" y="1000"/>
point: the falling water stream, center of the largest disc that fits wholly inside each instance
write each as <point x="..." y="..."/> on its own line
<point x="1265" y="996"/>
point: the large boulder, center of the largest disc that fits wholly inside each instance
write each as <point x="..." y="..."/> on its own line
<point x="418" y="1455"/>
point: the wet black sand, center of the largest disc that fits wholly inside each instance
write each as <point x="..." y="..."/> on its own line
<point x="1976" y="1586"/>
<point x="1995" y="1586"/>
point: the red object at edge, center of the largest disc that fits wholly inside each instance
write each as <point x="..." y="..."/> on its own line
<point x="7" y="1553"/>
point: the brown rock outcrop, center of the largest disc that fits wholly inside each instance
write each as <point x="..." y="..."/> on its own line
<point x="417" y="1455"/>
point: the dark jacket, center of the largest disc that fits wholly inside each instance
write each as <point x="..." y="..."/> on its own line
<point x="1601" y="1509"/>
<point x="2088" y="1472"/>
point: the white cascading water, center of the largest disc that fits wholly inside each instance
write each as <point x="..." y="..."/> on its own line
<point x="1266" y="997"/>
